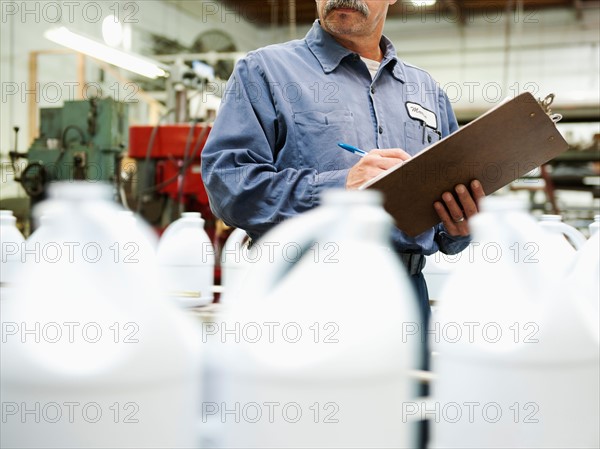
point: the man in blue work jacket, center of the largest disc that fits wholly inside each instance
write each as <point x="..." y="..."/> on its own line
<point x="273" y="147"/>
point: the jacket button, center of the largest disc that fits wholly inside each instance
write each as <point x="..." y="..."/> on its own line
<point x="429" y="139"/>
<point x="372" y="89"/>
<point x="381" y="130"/>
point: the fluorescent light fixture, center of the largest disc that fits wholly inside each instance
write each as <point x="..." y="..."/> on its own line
<point x="423" y="3"/>
<point x="128" y="61"/>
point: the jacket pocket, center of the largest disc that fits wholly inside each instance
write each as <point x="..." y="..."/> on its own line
<point x="318" y="133"/>
<point x="418" y="138"/>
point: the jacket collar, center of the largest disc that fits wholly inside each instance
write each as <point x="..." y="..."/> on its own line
<point x="330" y="53"/>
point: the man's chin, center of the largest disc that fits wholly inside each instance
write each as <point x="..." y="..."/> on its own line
<point x="342" y="27"/>
<point x="345" y="17"/>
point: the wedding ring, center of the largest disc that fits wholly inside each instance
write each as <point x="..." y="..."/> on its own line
<point x="459" y="220"/>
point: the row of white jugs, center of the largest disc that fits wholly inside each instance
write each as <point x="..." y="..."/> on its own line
<point x="522" y="370"/>
<point x="185" y="254"/>
<point x="440" y="266"/>
<point x="316" y="348"/>
<point x="94" y="353"/>
<point x="323" y="377"/>
<point x="516" y="336"/>
<point x="517" y="326"/>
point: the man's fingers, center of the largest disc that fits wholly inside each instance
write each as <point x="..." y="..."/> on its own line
<point x="477" y="190"/>
<point x="396" y="153"/>
<point x="381" y="163"/>
<point x="386" y="158"/>
<point x="453" y="207"/>
<point x="452" y="226"/>
<point x="456" y="212"/>
<point x="467" y="202"/>
<point x="375" y="162"/>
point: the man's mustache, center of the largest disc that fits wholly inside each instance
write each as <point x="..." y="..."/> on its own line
<point x="357" y="5"/>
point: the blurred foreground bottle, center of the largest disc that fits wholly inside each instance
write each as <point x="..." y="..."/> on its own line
<point x="583" y="280"/>
<point x="595" y="225"/>
<point x="41" y="235"/>
<point x="91" y="355"/>
<point x="187" y="261"/>
<point x="518" y="361"/>
<point x="234" y="259"/>
<point x="11" y="242"/>
<point x="320" y="342"/>
<point x="569" y="234"/>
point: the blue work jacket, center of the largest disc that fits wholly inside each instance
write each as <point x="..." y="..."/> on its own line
<point x="273" y="147"/>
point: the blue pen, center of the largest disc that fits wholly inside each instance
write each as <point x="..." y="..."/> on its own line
<point x="352" y="149"/>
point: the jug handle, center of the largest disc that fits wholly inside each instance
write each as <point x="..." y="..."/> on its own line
<point x="235" y="239"/>
<point x="263" y="276"/>
<point x="576" y="238"/>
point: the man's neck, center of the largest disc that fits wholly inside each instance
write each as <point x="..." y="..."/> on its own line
<point x="366" y="46"/>
<point x="370" y="50"/>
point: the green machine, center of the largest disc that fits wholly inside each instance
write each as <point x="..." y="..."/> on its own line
<point x="83" y="140"/>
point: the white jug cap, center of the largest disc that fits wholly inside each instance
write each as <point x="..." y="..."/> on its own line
<point x="194" y="215"/>
<point x="80" y="190"/>
<point x="8" y="219"/>
<point x="549" y="217"/>
<point x="502" y="204"/>
<point x="335" y="197"/>
<point x="6" y="213"/>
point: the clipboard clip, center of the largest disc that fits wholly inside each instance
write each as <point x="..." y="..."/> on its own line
<point x="545" y="104"/>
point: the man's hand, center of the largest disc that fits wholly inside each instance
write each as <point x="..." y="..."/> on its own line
<point x="373" y="164"/>
<point x="455" y="215"/>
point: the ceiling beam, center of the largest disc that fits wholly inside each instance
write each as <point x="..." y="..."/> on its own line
<point x="277" y="12"/>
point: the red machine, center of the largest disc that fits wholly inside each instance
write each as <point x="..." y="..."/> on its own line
<point x="168" y="160"/>
<point x="169" y="179"/>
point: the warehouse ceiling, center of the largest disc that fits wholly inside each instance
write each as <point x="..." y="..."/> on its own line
<point x="279" y="12"/>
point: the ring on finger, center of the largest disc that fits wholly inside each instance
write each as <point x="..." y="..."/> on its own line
<point x="459" y="220"/>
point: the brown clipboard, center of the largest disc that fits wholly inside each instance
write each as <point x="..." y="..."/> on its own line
<point x="498" y="147"/>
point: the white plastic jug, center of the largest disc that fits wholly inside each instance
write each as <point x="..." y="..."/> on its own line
<point x="11" y="241"/>
<point x="595" y="225"/>
<point x="234" y="258"/>
<point x="518" y="362"/>
<point x="91" y="355"/>
<point x="40" y="236"/>
<point x="555" y="225"/>
<point x="583" y="280"/>
<point x="439" y="267"/>
<point x="187" y="261"/>
<point x="319" y="346"/>
<point x="145" y="246"/>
